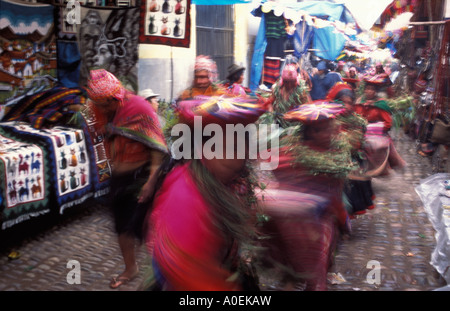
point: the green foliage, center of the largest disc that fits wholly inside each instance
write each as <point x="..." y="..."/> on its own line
<point x="403" y="110"/>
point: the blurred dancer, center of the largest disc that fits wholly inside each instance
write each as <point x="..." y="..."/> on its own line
<point x="304" y="206"/>
<point x="135" y="147"/>
<point x="201" y="214"/>
<point x="358" y="188"/>
<point x="205" y="79"/>
<point x="288" y="92"/>
<point x="380" y="150"/>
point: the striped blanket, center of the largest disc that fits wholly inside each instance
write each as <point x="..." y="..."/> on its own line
<point x="271" y="70"/>
<point x="46" y="108"/>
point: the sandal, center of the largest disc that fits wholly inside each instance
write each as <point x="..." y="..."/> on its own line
<point x="121" y="280"/>
<point x="423" y="153"/>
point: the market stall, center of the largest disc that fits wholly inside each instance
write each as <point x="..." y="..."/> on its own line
<point x="47" y="165"/>
<point x="296" y="29"/>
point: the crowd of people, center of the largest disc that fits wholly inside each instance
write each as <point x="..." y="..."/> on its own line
<point x="208" y="223"/>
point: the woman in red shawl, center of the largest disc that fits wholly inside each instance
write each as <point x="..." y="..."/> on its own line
<point x="201" y="214"/>
<point x="379" y="147"/>
<point x="135" y="147"/>
<point x="305" y="206"/>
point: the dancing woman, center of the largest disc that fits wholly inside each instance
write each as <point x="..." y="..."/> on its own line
<point x="304" y="205"/>
<point x="202" y="212"/>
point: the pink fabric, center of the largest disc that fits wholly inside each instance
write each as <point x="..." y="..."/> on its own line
<point x="375" y="128"/>
<point x="102" y="85"/>
<point x="183" y="240"/>
<point x="300" y="237"/>
<point x="236" y="90"/>
<point x="381" y="154"/>
<point x="305" y="213"/>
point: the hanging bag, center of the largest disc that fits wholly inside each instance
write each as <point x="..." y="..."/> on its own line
<point x="441" y="132"/>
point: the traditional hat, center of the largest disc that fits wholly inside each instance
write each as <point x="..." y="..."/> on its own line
<point x="334" y="91"/>
<point x="233" y="69"/>
<point x="147" y="93"/>
<point x="221" y="110"/>
<point x="318" y="110"/>
<point x="376" y="80"/>
<point x="103" y="85"/>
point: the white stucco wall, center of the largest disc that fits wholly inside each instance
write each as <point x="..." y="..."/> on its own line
<point x="169" y="70"/>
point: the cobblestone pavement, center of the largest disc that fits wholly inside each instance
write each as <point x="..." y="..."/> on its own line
<point x="397" y="234"/>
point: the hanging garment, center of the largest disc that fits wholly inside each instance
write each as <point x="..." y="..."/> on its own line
<point x="69" y="61"/>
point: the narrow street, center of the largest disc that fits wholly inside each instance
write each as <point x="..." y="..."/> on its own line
<point x="397" y="234"/>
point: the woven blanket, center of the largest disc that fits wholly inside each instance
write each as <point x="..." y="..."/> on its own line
<point x="24" y="186"/>
<point x="68" y="164"/>
<point x="271" y="70"/>
<point x="101" y="170"/>
<point x="46" y="108"/>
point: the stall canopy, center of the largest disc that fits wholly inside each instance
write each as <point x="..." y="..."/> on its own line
<point x="366" y="13"/>
<point x="219" y="2"/>
<point x="327" y="24"/>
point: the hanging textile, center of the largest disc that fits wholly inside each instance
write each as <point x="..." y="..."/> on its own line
<point x="275" y="34"/>
<point x="24" y="186"/>
<point x="165" y="24"/>
<point x="302" y="38"/>
<point x="65" y="30"/>
<point x="397" y="8"/>
<point x="258" y="56"/>
<point x="28" y="57"/>
<point x="108" y="39"/>
<point x="271" y="71"/>
<point x="69" y="61"/>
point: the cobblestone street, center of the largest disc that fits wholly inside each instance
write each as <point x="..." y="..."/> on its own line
<point x="397" y="234"/>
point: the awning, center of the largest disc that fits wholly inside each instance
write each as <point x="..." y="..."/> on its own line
<point x="366" y="13"/>
<point x="334" y="11"/>
<point x="219" y="2"/>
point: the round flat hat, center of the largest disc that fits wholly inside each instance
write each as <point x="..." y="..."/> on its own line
<point x="318" y="110"/>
